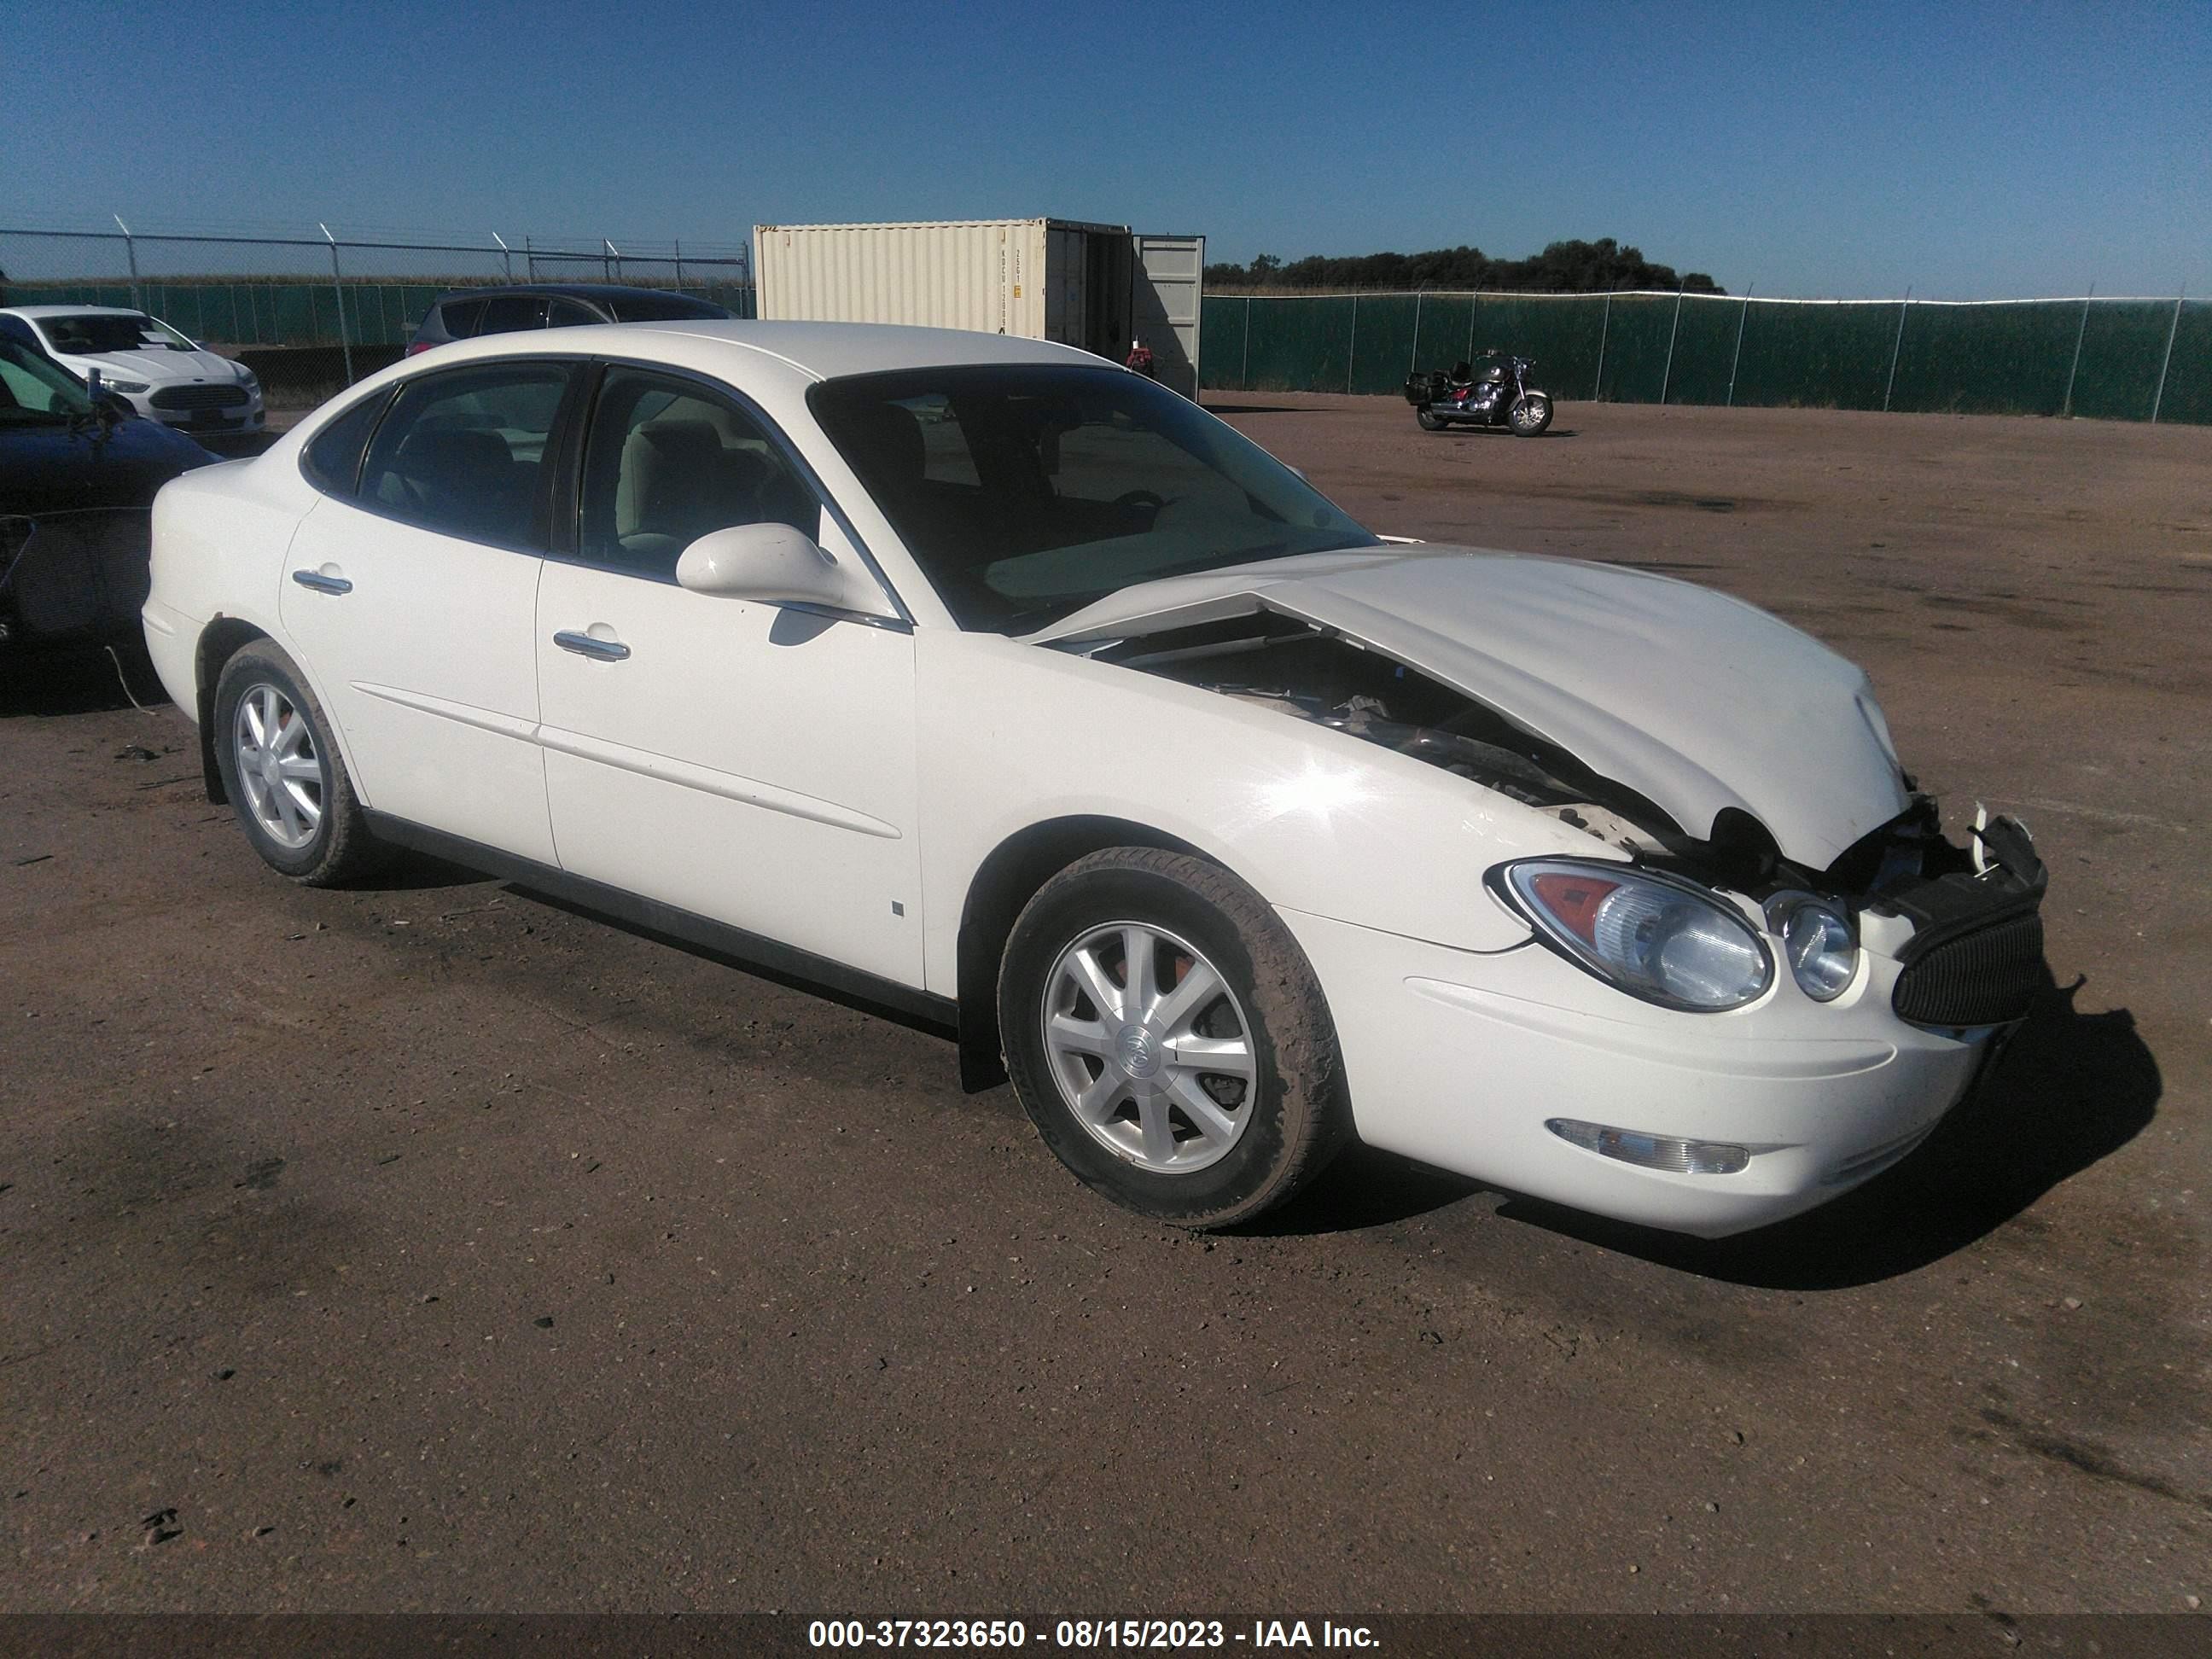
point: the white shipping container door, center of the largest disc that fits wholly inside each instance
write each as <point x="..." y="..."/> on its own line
<point x="1168" y="283"/>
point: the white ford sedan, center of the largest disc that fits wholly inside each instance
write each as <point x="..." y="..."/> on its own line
<point x="992" y="684"/>
<point x="157" y="371"/>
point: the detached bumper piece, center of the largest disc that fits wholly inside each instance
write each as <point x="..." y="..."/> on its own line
<point x="1976" y="958"/>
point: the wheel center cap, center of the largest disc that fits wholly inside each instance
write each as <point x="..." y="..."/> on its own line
<point x="1140" y="1051"/>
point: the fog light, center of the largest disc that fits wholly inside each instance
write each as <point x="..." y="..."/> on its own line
<point x="1668" y="1152"/>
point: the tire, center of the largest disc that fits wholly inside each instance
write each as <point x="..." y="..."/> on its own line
<point x="1530" y="414"/>
<point x="1431" y="421"/>
<point x="1278" y="1110"/>
<point x="299" y="813"/>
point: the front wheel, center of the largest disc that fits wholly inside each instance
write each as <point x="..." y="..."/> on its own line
<point x="1169" y="1040"/>
<point x="1429" y="420"/>
<point x="1530" y="414"/>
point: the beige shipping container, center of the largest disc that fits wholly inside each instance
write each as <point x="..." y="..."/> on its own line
<point x="1093" y="286"/>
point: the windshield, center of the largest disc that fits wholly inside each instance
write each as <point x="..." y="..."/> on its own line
<point x="35" y="391"/>
<point x="1025" y="491"/>
<point x="93" y="333"/>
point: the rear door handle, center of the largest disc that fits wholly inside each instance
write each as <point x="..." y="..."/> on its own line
<point x="320" y="583"/>
<point x="585" y="646"/>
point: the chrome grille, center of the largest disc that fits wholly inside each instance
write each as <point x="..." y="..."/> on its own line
<point x="1986" y="977"/>
<point x="199" y="397"/>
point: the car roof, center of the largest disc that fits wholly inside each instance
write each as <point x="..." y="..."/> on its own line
<point x="818" y="351"/>
<point x="571" y="291"/>
<point x="75" y="311"/>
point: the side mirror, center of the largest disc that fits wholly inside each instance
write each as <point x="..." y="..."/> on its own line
<point x="776" y="565"/>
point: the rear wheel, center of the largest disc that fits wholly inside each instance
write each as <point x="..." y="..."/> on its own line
<point x="282" y="773"/>
<point x="1530" y="414"/>
<point x="1167" y="1037"/>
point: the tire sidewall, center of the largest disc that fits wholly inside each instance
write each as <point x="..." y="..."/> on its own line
<point x="258" y="665"/>
<point x="1074" y="905"/>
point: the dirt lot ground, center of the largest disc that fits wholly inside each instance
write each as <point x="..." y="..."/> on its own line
<point x="431" y="1247"/>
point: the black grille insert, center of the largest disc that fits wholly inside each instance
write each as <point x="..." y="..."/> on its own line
<point x="198" y="397"/>
<point x="1985" y="977"/>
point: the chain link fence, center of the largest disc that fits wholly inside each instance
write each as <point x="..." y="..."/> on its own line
<point x="311" y="315"/>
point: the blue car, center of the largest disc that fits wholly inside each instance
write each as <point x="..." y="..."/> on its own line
<point x="77" y="477"/>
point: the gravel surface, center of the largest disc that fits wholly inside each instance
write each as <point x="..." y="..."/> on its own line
<point x="427" y="1246"/>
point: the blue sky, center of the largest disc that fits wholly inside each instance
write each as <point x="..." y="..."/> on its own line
<point x="1967" y="150"/>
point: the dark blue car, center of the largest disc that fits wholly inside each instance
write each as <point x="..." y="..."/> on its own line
<point x="77" y="477"/>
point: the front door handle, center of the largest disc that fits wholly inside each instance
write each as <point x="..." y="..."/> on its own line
<point x="320" y="583"/>
<point x="583" y="645"/>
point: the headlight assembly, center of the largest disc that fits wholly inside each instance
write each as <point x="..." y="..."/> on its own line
<point x="1659" y="937"/>
<point x="1817" y="939"/>
<point x="123" y="386"/>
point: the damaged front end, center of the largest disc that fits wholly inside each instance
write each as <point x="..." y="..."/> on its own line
<point x="1962" y="923"/>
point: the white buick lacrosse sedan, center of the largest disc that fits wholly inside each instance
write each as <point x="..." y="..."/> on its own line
<point x="999" y="686"/>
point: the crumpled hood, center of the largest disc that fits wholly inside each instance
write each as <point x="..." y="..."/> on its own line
<point x="1693" y="699"/>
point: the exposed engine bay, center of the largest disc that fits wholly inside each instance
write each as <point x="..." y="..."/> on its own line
<point x="1906" y="867"/>
<point x="1307" y="672"/>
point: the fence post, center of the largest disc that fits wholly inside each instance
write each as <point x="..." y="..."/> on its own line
<point x="1244" y="374"/>
<point x="1352" y="350"/>
<point x="679" y="262"/>
<point x="1413" y="357"/>
<point x="1896" y="346"/>
<point x="1666" y="375"/>
<point x="1604" y="327"/>
<point x="606" y="268"/>
<point x="130" y="253"/>
<point x="530" y="257"/>
<point x="338" y="287"/>
<point x="1736" y="361"/>
<point x="506" y="255"/>
<point x="2167" y="362"/>
<point x="2066" y="409"/>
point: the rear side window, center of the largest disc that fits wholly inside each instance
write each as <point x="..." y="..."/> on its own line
<point x="463" y="453"/>
<point x="658" y="308"/>
<point x="507" y="313"/>
<point x="459" y="318"/>
<point x="331" y="460"/>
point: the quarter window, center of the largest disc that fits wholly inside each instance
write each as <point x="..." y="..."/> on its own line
<point x="460" y="317"/>
<point x="568" y="313"/>
<point x="506" y="313"/>
<point x="666" y="462"/>
<point x="463" y="452"/>
<point x="332" y="457"/>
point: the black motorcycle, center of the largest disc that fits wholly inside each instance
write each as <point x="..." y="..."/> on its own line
<point x="1498" y="394"/>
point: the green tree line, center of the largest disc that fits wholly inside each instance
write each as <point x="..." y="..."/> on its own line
<point x="1573" y="267"/>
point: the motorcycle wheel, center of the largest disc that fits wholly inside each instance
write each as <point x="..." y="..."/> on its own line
<point x="1429" y="420"/>
<point x="1530" y="414"/>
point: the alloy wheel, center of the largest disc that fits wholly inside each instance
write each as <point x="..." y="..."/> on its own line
<point x="278" y="766"/>
<point x="1150" y="1047"/>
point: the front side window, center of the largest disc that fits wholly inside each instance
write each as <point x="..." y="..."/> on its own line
<point x="463" y="453"/>
<point x="665" y="462"/>
<point x="1025" y="491"/>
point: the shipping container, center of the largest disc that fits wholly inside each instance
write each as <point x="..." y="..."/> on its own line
<point x="1098" y="287"/>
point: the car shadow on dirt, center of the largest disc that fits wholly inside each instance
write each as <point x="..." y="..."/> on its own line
<point x="2070" y="1090"/>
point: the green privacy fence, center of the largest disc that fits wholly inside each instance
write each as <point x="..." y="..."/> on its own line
<point x="2111" y="359"/>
